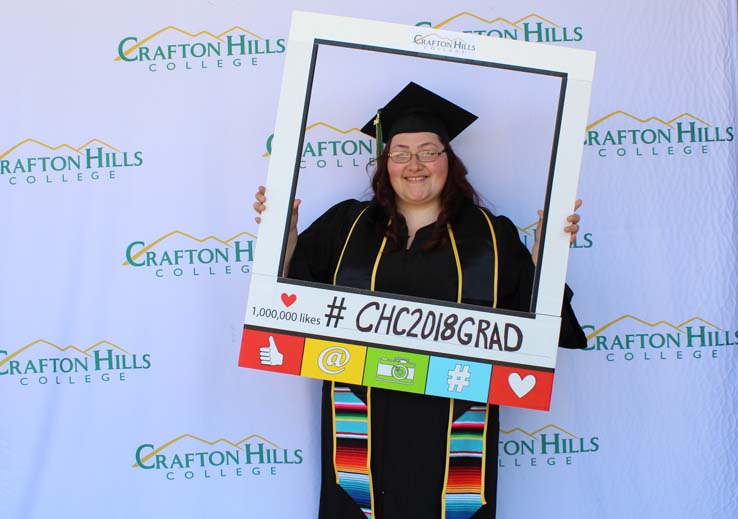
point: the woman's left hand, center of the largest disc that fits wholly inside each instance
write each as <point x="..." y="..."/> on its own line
<point x="572" y="228"/>
<point x="573" y="219"/>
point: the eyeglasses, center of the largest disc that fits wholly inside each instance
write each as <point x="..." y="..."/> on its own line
<point x="403" y="157"/>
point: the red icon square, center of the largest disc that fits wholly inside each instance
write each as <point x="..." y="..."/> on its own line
<point x="271" y="351"/>
<point x="520" y="387"/>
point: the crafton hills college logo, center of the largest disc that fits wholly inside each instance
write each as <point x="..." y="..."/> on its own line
<point x="179" y="254"/>
<point x="191" y="457"/>
<point x="172" y="48"/>
<point x="547" y="446"/>
<point x="532" y="27"/>
<point x="33" y="162"/>
<point x="622" y="134"/>
<point x="43" y="363"/>
<point x="327" y="146"/>
<point x="631" y="339"/>
<point x="440" y="43"/>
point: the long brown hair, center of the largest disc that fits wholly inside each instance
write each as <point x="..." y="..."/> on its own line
<point x="455" y="193"/>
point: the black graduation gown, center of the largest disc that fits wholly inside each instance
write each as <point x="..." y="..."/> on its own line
<point x="409" y="431"/>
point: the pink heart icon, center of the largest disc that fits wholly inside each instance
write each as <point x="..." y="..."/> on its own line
<point x="288" y="299"/>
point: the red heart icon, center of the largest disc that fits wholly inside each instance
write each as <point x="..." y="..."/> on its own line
<point x="288" y="299"/>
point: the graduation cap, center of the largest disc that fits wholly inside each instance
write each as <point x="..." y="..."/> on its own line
<point x="417" y="109"/>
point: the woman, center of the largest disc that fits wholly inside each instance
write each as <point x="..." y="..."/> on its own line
<point x="421" y="235"/>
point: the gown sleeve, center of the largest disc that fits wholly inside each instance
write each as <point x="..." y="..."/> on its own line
<point x="319" y="246"/>
<point x="516" y="283"/>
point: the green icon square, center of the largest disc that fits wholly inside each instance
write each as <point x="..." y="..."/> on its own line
<point x="397" y="370"/>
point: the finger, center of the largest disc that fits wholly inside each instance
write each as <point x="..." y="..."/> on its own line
<point x="573" y="218"/>
<point x="577" y="204"/>
<point x="295" y="213"/>
<point x="272" y="344"/>
<point x="258" y="219"/>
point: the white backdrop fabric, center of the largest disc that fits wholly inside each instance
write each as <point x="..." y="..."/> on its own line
<point x="133" y="139"/>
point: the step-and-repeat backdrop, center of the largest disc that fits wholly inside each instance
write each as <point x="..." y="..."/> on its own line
<point x="133" y="139"/>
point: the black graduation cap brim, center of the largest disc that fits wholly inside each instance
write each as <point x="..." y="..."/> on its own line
<point x="417" y="109"/>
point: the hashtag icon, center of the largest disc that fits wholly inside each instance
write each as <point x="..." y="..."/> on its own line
<point x="335" y="312"/>
<point x="458" y="378"/>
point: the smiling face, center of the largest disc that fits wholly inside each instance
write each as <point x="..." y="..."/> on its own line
<point x="417" y="184"/>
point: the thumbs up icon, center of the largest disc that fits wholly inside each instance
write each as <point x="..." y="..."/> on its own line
<point x="270" y="355"/>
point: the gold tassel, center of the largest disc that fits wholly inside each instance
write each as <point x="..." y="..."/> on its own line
<point x="378" y="132"/>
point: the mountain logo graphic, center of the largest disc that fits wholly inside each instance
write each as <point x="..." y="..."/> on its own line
<point x="238" y="444"/>
<point x="40" y="344"/>
<point x="186" y="35"/>
<point x="629" y="337"/>
<point x="78" y="150"/>
<point x="231" y="244"/>
<point x="679" y="328"/>
<point x="548" y="440"/>
<point x="439" y="42"/>
<point x="171" y="44"/>
<point x="194" y="456"/>
<point x="32" y="161"/>
<point x="181" y="254"/>
<point x="33" y="156"/>
<point x="668" y="123"/>
<point x="532" y="27"/>
<point x="468" y="17"/>
<point x="44" y="362"/>
<point x="537" y="433"/>
<point x="331" y="141"/>
<point x="654" y="135"/>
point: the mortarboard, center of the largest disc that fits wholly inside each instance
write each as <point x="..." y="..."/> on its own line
<point x="417" y="109"/>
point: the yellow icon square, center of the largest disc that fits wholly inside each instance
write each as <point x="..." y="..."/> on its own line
<point x="332" y="360"/>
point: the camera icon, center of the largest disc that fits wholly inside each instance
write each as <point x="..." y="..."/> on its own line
<point x="397" y="370"/>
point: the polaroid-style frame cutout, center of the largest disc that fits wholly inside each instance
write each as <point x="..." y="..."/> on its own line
<point x="367" y="338"/>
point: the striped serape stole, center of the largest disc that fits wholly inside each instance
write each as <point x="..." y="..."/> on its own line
<point x="351" y="446"/>
<point x="463" y="492"/>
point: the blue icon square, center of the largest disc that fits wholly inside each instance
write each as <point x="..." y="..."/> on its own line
<point x="457" y="378"/>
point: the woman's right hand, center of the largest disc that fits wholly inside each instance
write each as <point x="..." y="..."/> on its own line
<point x="260" y="203"/>
<point x="260" y="207"/>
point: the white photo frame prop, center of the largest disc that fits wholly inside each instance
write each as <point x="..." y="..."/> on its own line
<point x="392" y="341"/>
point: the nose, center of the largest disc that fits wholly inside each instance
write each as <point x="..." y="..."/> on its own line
<point x="414" y="162"/>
